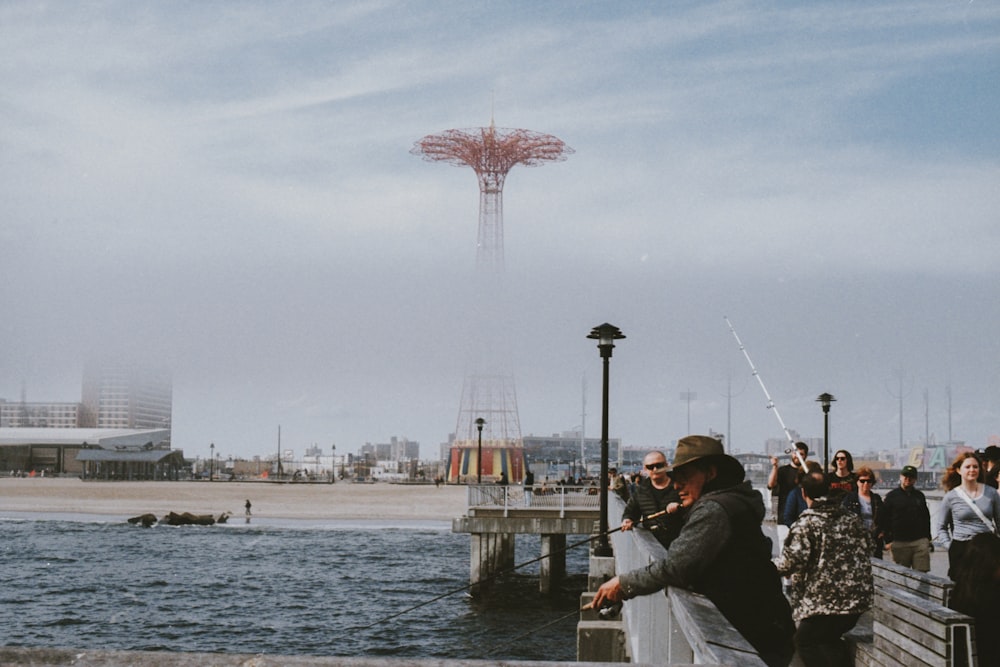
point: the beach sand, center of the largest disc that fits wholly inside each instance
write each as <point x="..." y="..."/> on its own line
<point x="343" y="500"/>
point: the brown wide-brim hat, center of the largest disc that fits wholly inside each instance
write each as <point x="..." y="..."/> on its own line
<point x="697" y="447"/>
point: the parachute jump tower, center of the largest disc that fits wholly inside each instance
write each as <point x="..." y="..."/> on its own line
<point x="491" y="152"/>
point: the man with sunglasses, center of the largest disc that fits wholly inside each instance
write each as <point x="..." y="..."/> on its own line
<point x="654" y="494"/>
<point x="721" y="551"/>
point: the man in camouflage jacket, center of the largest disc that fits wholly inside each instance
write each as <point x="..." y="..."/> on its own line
<point x="827" y="556"/>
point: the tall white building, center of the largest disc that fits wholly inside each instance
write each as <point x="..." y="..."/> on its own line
<point x="123" y="396"/>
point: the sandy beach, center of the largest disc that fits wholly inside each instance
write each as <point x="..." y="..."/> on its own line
<point x="379" y="501"/>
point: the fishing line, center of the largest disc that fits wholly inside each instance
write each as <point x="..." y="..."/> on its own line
<point x="466" y="587"/>
<point x="530" y="632"/>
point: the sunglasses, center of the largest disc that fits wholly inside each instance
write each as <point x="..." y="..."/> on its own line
<point x="864" y="481"/>
<point x="839" y="458"/>
<point x="655" y="466"/>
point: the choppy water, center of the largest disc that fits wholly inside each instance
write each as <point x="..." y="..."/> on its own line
<point x="305" y="588"/>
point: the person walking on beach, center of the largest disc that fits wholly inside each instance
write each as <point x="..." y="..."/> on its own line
<point x="247" y="506"/>
<point x="827" y="557"/>
<point x="720" y="552"/>
<point x="969" y="508"/>
<point x="655" y="493"/>
<point x="905" y="523"/>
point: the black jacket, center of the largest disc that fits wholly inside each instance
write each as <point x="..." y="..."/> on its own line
<point x="648" y="500"/>
<point x="904" y="516"/>
<point x="853" y="503"/>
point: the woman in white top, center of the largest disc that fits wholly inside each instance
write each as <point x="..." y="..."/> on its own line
<point x="970" y="507"/>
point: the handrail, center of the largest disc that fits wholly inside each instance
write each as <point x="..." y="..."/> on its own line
<point x="508" y="497"/>
<point x="678" y="626"/>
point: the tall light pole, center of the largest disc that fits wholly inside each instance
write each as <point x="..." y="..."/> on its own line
<point x="211" y="464"/>
<point x="825" y="400"/>
<point x="333" y="463"/>
<point x="688" y="396"/>
<point x="479" y="454"/>
<point x="605" y="335"/>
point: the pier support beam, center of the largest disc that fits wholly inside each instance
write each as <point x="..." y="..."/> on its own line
<point x="490" y="553"/>
<point x="552" y="568"/>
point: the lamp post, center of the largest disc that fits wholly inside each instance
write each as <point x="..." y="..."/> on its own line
<point x="333" y="463"/>
<point x="825" y="400"/>
<point x="211" y="464"/>
<point x="605" y="335"/>
<point x="479" y="454"/>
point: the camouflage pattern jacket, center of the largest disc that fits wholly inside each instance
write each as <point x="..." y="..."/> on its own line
<point x="827" y="556"/>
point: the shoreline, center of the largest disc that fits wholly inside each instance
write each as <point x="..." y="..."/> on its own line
<point x="270" y="500"/>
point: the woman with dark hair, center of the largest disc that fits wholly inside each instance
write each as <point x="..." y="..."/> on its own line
<point x="969" y="508"/>
<point x="977" y="589"/>
<point x="867" y="504"/>
<point x="842" y="478"/>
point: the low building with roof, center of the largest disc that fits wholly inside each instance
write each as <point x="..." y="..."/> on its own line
<point x="92" y="453"/>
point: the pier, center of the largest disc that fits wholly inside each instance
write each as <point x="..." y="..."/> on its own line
<point x="909" y="624"/>
<point x="496" y="514"/>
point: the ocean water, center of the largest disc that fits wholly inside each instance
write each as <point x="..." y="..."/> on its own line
<point x="276" y="587"/>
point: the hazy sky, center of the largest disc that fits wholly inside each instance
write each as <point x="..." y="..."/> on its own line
<point x="226" y="189"/>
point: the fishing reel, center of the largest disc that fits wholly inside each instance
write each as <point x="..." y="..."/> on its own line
<point x="610" y="611"/>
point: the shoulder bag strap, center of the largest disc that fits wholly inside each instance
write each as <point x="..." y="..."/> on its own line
<point x="975" y="508"/>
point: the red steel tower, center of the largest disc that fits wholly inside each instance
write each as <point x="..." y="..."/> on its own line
<point x="491" y="152"/>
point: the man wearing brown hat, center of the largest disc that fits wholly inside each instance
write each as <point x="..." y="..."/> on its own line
<point x="720" y="551"/>
<point x="905" y="523"/>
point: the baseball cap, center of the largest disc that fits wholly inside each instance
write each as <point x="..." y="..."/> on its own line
<point x="908" y="471"/>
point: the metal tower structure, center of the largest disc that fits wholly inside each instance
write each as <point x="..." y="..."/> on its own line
<point x="491" y="153"/>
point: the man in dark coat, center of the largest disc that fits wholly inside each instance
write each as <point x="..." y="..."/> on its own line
<point x="655" y="496"/>
<point x="905" y="523"/>
<point x="720" y="552"/>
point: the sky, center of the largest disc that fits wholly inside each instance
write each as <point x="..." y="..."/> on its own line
<point x="226" y="190"/>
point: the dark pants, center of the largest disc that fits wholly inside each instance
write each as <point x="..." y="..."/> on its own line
<point x="819" y="640"/>
<point x="955" y="552"/>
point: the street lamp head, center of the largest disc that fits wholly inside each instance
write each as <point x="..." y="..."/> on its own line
<point x="479" y="423"/>
<point x="825" y="400"/>
<point x="605" y="335"/>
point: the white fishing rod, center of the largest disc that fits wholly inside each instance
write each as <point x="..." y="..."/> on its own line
<point x="760" y="381"/>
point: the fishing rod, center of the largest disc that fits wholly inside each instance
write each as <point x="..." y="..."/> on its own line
<point x="770" y="402"/>
<point x="491" y="577"/>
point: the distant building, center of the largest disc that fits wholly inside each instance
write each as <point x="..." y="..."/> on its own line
<point x="570" y="451"/>
<point x="91" y="453"/>
<point x="397" y="449"/>
<point x="39" y="415"/>
<point x="118" y="395"/>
